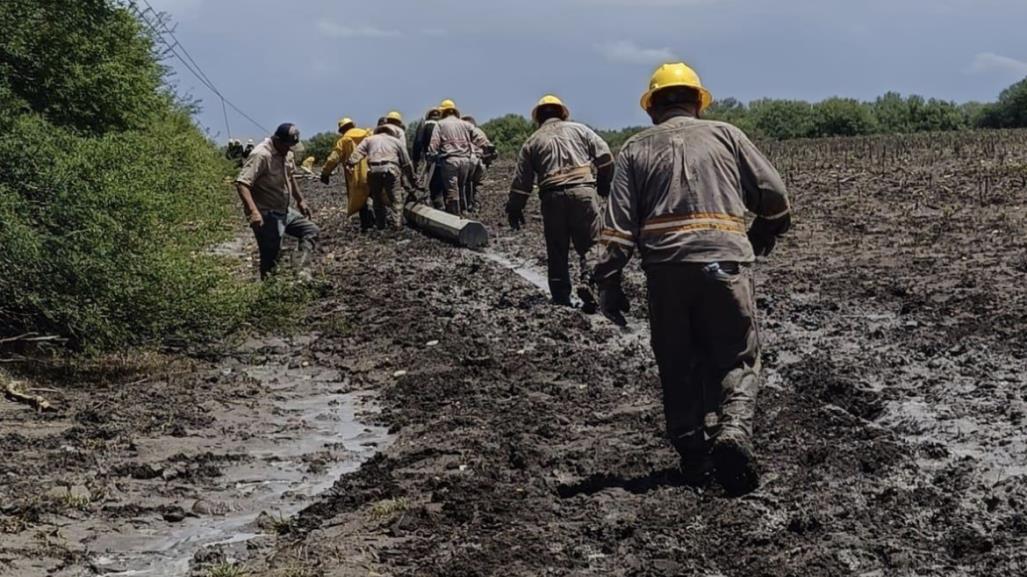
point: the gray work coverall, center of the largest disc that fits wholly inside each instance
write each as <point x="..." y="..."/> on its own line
<point x="680" y="194"/>
<point x="452" y="146"/>
<point x="561" y="156"/>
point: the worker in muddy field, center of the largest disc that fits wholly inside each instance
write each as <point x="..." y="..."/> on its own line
<point x="266" y="184"/>
<point x="680" y="195"/>
<point x="394" y="118"/>
<point x="430" y="178"/>
<point x="357" y="190"/>
<point x="481" y="159"/>
<point x="388" y="164"/>
<point x="452" y="147"/>
<point x="571" y="165"/>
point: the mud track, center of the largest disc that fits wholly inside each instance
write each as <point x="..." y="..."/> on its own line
<point x="527" y="439"/>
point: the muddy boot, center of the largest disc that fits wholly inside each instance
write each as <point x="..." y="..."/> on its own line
<point x="562" y="299"/>
<point x="735" y="462"/>
<point x="696" y="461"/>
<point x="589" y="305"/>
<point x="366" y="219"/>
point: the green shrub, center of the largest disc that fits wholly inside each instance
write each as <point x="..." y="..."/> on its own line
<point x="319" y="146"/>
<point x="110" y="197"/>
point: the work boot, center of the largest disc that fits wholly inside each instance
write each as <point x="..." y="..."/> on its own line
<point x="589" y="305"/>
<point x="734" y="461"/>
<point x="696" y="462"/>
<point x="562" y="299"/>
<point x="453" y="207"/>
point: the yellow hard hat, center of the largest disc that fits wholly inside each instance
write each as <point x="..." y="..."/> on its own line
<point x="676" y="74"/>
<point x="447" y="104"/>
<point x="347" y="121"/>
<point x="550" y="100"/>
<point x="395" y="116"/>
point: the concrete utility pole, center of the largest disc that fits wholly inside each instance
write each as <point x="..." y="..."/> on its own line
<point x="464" y="232"/>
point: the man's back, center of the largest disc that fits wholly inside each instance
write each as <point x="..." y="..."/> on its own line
<point x="689" y="183"/>
<point x="559" y="153"/>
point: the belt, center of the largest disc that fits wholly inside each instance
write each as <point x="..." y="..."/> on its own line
<point x="383" y="163"/>
<point x="563" y="187"/>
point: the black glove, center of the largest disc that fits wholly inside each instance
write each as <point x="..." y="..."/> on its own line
<point x="613" y="303"/>
<point x="326" y="178"/>
<point x="516" y="219"/>
<point x="411" y="197"/>
<point x="515" y="210"/>
<point x="763" y="234"/>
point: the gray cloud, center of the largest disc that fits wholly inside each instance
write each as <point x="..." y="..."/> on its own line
<point x="628" y="52"/>
<point x="333" y="30"/>
<point x="987" y="62"/>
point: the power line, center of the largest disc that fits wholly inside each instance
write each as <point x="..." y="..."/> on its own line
<point x="187" y="61"/>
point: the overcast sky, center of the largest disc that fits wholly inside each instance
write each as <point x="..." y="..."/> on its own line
<point x="311" y="62"/>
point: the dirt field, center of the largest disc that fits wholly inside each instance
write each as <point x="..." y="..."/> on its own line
<point x="527" y="440"/>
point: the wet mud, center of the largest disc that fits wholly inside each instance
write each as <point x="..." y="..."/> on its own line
<point x="526" y="439"/>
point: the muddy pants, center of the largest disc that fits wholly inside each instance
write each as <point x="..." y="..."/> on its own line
<point x="705" y="340"/>
<point x="456" y="179"/>
<point x="436" y="187"/>
<point x="476" y="180"/>
<point x="276" y="226"/>
<point x="384" y="182"/>
<point x="569" y="215"/>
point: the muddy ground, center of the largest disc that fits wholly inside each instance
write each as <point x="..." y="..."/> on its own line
<point x="527" y="439"/>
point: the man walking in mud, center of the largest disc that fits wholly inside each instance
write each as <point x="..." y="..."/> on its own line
<point x="357" y="191"/>
<point x="680" y="195"/>
<point x="388" y="163"/>
<point x="569" y="161"/>
<point x="265" y="185"/>
<point x="452" y="147"/>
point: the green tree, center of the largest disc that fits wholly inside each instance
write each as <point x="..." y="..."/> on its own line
<point x="320" y="146"/>
<point x="1011" y="109"/>
<point x="782" y="119"/>
<point x="842" y="117"/>
<point x="85" y="64"/>
<point x="508" y="132"/>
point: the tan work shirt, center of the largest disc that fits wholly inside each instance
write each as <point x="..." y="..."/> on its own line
<point x="267" y="173"/>
<point x="454" y="137"/>
<point x="680" y="193"/>
<point x="379" y="149"/>
<point x="559" y="154"/>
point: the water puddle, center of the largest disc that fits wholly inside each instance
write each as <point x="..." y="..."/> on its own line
<point x="282" y="455"/>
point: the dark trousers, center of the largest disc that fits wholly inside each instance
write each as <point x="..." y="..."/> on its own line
<point x="437" y="188"/>
<point x="569" y="216"/>
<point x="276" y="226"/>
<point x="704" y="337"/>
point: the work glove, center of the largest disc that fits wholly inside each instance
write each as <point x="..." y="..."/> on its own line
<point x="613" y="303"/>
<point x="411" y="196"/>
<point x="515" y="210"/>
<point x="326" y="178"/>
<point x="763" y="234"/>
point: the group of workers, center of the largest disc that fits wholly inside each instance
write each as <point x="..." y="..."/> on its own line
<point x="678" y="192"/>
<point x="237" y="152"/>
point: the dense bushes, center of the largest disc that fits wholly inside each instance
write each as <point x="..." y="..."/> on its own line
<point x="319" y="146"/>
<point x="109" y="196"/>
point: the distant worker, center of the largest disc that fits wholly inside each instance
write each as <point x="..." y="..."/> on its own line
<point x="394" y="118"/>
<point x="430" y="178"/>
<point x="265" y="184"/>
<point x="308" y="164"/>
<point x="357" y="190"/>
<point x="570" y="162"/>
<point x="234" y="151"/>
<point x="249" y="148"/>
<point x="482" y="159"/>
<point x="452" y="148"/>
<point x="388" y="163"/>
<point x="680" y="195"/>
